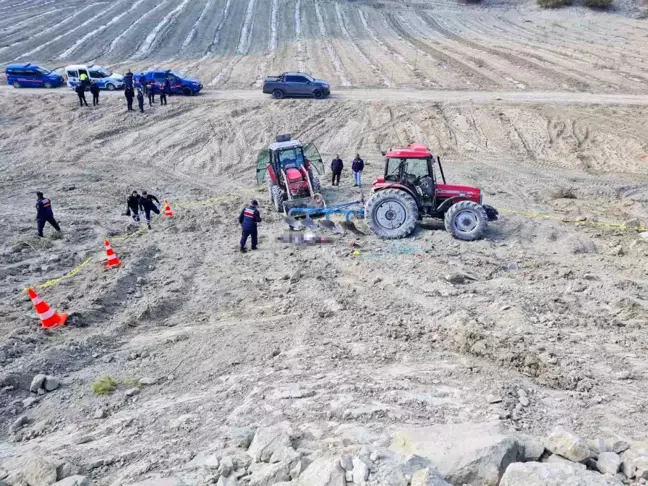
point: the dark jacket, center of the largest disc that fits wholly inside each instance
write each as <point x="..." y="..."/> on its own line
<point x="152" y="88"/>
<point x="44" y="209"/>
<point x="249" y="218"/>
<point x="129" y="93"/>
<point x="140" y="95"/>
<point x="133" y="203"/>
<point x="146" y="202"/>
<point x="94" y="89"/>
<point x="357" y="165"/>
<point x="128" y="80"/>
<point x="80" y="89"/>
<point x="337" y="165"/>
<point x="167" y="87"/>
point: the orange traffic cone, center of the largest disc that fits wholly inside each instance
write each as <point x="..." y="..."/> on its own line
<point x="113" y="261"/>
<point x="167" y="209"/>
<point x="48" y="317"/>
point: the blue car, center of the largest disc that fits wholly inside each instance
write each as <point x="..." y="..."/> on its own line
<point x="179" y="85"/>
<point x="32" y="76"/>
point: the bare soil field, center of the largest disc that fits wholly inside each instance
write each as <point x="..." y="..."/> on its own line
<point x="342" y="348"/>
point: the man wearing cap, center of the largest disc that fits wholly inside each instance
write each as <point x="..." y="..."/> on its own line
<point x="248" y="220"/>
<point x="44" y="214"/>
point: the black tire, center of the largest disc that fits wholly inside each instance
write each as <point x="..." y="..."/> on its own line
<point x="187" y="91"/>
<point x="16" y="84"/>
<point x="277" y="94"/>
<point x="278" y="199"/>
<point x="111" y="87"/>
<point x="315" y="182"/>
<point x="48" y="85"/>
<point x="466" y="220"/>
<point x="392" y="214"/>
<point x="318" y="94"/>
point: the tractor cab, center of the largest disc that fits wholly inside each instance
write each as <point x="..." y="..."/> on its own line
<point x="290" y="170"/>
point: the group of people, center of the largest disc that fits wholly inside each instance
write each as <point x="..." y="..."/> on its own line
<point x="357" y="166"/>
<point x="145" y="202"/>
<point x="148" y="89"/>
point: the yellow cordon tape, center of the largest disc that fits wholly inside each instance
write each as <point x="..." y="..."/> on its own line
<point x="596" y="224"/>
<point x="55" y="281"/>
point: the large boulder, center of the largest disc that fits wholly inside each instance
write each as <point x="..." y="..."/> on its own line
<point x="633" y="459"/>
<point x="428" y="477"/>
<point x="269" y="474"/>
<point x="269" y="442"/>
<point x="569" y="446"/>
<point x="74" y="481"/>
<point x="554" y="474"/>
<point x="323" y="472"/>
<point x="608" y="463"/>
<point x="39" y="472"/>
<point x="474" y="454"/>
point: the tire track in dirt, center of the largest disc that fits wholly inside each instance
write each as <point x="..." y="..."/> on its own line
<point x="148" y="44"/>
<point x="468" y="71"/>
<point x="335" y="59"/>
<point x="29" y="21"/>
<point x="130" y="28"/>
<point x="71" y="31"/>
<point x="99" y="30"/>
<point x="243" y="45"/>
<point x="512" y="58"/>
<point x="270" y="51"/>
<point x="301" y="49"/>
<point x="55" y="26"/>
<point x="192" y="33"/>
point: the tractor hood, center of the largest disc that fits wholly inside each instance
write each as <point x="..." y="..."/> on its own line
<point x="445" y="191"/>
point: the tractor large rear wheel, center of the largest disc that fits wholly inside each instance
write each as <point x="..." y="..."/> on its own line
<point x="278" y="199"/>
<point x="466" y="220"/>
<point x="392" y="214"/>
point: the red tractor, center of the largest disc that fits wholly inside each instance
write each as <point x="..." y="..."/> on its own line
<point x="410" y="190"/>
<point x="288" y="168"/>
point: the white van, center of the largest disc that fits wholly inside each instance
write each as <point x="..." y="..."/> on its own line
<point x="104" y="78"/>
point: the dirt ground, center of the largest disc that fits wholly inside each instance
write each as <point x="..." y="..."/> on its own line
<point x="346" y="341"/>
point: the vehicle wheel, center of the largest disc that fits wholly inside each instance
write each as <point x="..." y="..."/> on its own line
<point x="111" y="87"/>
<point x="278" y="199"/>
<point x="391" y="213"/>
<point x="315" y="182"/>
<point x="187" y="92"/>
<point x="466" y="220"/>
<point x="16" y="84"/>
<point x="317" y="94"/>
<point x="48" y="85"/>
<point x="277" y="94"/>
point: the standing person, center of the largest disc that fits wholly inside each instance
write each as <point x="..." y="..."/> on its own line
<point x="80" y="91"/>
<point x="84" y="80"/>
<point x="147" y="204"/>
<point x="140" y="99"/>
<point x="248" y="220"/>
<point x="133" y="206"/>
<point x="166" y="90"/>
<point x="44" y="214"/>
<point x="129" y="93"/>
<point x="336" y="167"/>
<point x="150" y="92"/>
<point x="128" y="79"/>
<point x="94" y="89"/>
<point x="357" y="166"/>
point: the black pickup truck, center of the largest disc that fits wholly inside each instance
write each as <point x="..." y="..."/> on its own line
<point x="295" y="84"/>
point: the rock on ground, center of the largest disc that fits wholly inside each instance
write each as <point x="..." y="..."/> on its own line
<point x="74" y="481"/>
<point x="533" y="447"/>
<point x="269" y="441"/>
<point x="322" y="472"/>
<point x="568" y="445"/>
<point x="553" y="474"/>
<point x="608" y="463"/>
<point x="475" y="454"/>
<point x="37" y="383"/>
<point x="269" y="474"/>
<point x="428" y="477"/>
<point x="39" y="472"/>
<point x="51" y="383"/>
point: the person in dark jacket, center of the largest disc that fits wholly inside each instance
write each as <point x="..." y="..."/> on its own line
<point x="147" y="204"/>
<point x="133" y="206"/>
<point x="150" y="92"/>
<point x="94" y="89"/>
<point x="80" y="91"/>
<point x="357" y="166"/>
<point x="336" y="167"/>
<point x="128" y="79"/>
<point x="129" y="93"/>
<point x="248" y="219"/>
<point x="44" y="213"/>
<point x="140" y="99"/>
<point x="166" y="90"/>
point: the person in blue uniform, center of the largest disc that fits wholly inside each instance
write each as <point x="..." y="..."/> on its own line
<point x="248" y="219"/>
<point x="148" y="203"/>
<point x="44" y="214"/>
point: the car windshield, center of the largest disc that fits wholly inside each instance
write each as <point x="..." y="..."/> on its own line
<point x="415" y="167"/>
<point x="291" y="157"/>
<point x="308" y="77"/>
<point x="173" y="73"/>
<point x="104" y="72"/>
<point x="43" y="71"/>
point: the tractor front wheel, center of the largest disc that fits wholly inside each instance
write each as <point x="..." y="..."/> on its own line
<point x="392" y="213"/>
<point x="466" y="220"/>
<point x="278" y="199"/>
